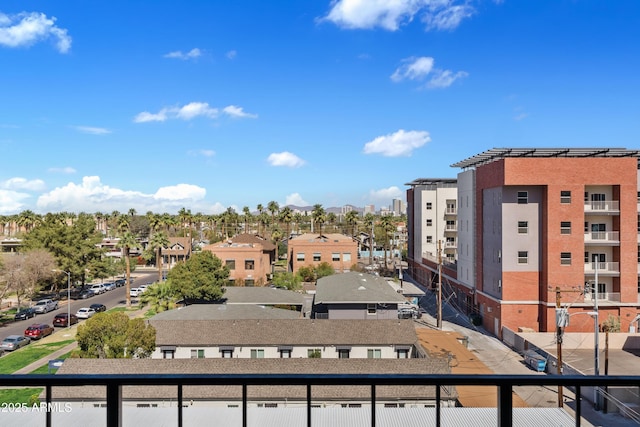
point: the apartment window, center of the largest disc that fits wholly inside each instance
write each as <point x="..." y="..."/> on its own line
<point x="374" y="353"/>
<point x="227" y="354"/>
<point x="317" y="256"/>
<point x="371" y="308"/>
<point x="231" y="264"/>
<point x="451" y="225"/>
<point x="402" y="353"/>
<point x="168" y="354"/>
<point x="300" y="256"/>
<point x="639" y="286"/>
<point x="565" y="196"/>
<point x="565" y="258"/>
<point x="197" y="354"/>
<point x="429" y="222"/>
<point x="638" y="224"/>
<point x="523" y="197"/>
<point x="523" y="257"/>
<point x="586" y="226"/>
<point x="249" y="282"/>
<point x="586" y="196"/>
<point x="257" y="353"/>
<point x="249" y="264"/>
<point x="314" y="353"/>
<point x="343" y="353"/>
<point x="429" y="239"/>
<point x="346" y="257"/>
<point x="565" y="227"/>
<point x="586" y="257"/>
<point x="335" y="256"/>
<point x="523" y="227"/>
<point x="285" y="353"/>
<point x="429" y="206"/>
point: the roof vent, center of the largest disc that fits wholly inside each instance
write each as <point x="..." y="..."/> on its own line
<point x="362" y="288"/>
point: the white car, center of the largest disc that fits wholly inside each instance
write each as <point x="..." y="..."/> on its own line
<point x="98" y="288"/>
<point x="45" y="306"/>
<point x="85" y="313"/>
<point x="135" y="292"/>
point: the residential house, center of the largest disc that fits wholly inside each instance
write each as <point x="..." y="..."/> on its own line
<point x="179" y="250"/>
<point x="312" y="249"/>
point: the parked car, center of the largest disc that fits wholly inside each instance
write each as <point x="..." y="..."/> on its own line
<point x="38" y="330"/>
<point x="409" y="313"/>
<point x="86" y="293"/>
<point x="98" y="288"/>
<point x="143" y="288"/>
<point x="109" y="286"/>
<point x="61" y="320"/>
<point x="25" y="313"/>
<point x="121" y="282"/>
<point x="98" y="307"/>
<point x="14" y="342"/>
<point x="85" y="313"/>
<point x="45" y="306"/>
<point x="135" y="292"/>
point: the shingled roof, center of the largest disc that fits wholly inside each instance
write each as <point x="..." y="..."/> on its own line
<point x="294" y="332"/>
<point x="224" y="311"/>
<point x="354" y="287"/>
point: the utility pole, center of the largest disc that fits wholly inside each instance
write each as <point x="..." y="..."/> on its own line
<point x="439" y="284"/>
<point x="559" y="347"/>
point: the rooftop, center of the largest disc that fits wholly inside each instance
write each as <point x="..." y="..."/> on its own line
<point x="224" y="311"/>
<point x="354" y="287"/>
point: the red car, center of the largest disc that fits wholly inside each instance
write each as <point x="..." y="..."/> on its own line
<point x="61" y="320"/>
<point x="38" y="330"/>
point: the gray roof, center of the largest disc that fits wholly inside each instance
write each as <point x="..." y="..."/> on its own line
<point x="261" y="295"/>
<point x="224" y="311"/>
<point x="294" y="332"/>
<point x="354" y="287"/>
<point x="501" y="153"/>
<point x="406" y="288"/>
<point x="254" y="366"/>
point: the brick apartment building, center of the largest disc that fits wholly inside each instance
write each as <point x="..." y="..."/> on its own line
<point x="249" y="258"/>
<point x="534" y="221"/>
<point x="312" y="249"/>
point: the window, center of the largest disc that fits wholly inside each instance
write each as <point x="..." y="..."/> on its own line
<point x="197" y="354"/>
<point x="403" y="353"/>
<point x="565" y="227"/>
<point x="285" y="353"/>
<point x="586" y="196"/>
<point x="300" y="256"/>
<point x="523" y="227"/>
<point x="429" y="206"/>
<point x="249" y="264"/>
<point x="346" y="257"/>
<point x="429" y="222"/>
<point x="586" y="226"/>
<point x="371" y="309"/>
<point x="317" y="256"/>
<point x="335" y="256"/>
<point x="565" y="258"/>
<point x="523" y="257"/>
<point x="257" y="353"/>
<point x="314" y="353"/>
<point x="523" y="197"/>
<point x="249" y="282"/>
<point x="343" y="353"/>
<point x="429" y="239"/>
<point x="586" y="257"/>
<point x="374" y="353"/>
<point x="231" y="264"/>
<point x="451" y="225"/>
<point x="227" y="354"/>
<point x="168" y="354"/>
<point x="565" y="196"/>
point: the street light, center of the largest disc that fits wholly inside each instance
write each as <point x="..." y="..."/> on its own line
<point x="68" y="295"/>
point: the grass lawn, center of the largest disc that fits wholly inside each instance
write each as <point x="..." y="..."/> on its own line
<point x="19" y="395"/>
<point x="124" y="309"/>
<point x="29" y="354"/>
<point x="44" y="369"/>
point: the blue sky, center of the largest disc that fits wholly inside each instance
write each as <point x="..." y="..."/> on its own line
<point x="159" y="105"/>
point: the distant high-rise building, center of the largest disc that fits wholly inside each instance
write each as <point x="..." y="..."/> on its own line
<point x="369" y="209"/>
<point x="397" y="207"/>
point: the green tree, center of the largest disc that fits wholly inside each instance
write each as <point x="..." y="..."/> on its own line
<point x="200" y="278"/>
<point x="351" y="218"/>
<point x="324" y="269"/>
<point x="157" y="243"/>
<point x="114" y="335"/>
<point x="160" y="296"/>
<point x="287" y="280"/>
<point x="307" y="273"/>
<point x="319" y="216"/>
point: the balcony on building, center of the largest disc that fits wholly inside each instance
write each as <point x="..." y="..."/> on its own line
<point x="602" y="207"/>
<point x="604" y="268"/>
<point x="602" y="238"/>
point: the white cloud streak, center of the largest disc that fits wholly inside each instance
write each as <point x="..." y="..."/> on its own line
<point x="191" y="111"/>
<point x="19" y="183"/>
<point x="92" y="130"/>
<point x="392" y="14"/>
<point x="28" y="28"/>
<point x="12" y="201"/>
<point x="65" y="170"/>
<point x="296" y="199"/>
<point x="398" y="144"/>
<point x="285" y="159"/>
<point x="192" y="54"/>
<point x="421" y="69"/>
<point x="384" y="195"/>
<point x="238" y="112"/>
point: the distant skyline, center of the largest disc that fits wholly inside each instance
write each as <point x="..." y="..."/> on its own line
<point x="162" y="105"/>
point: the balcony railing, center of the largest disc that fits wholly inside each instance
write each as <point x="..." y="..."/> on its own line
<point x="451" y="211"/>
<point x="602" y="206"/>
<point x="451" y="227"/>
<point x="603" y="296"/>
<point x="602" y="237"/>
<point x="603" y="267"/>
<point x="504" y="388"/>
<point x="450" y="244"/>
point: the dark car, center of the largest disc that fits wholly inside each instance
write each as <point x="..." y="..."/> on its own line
<point x="120" y="282"/>
<point x="25" y="313"/>
<point x="86" y="293"/>
<point x="38" y="330"/>
<point x="61" y="320"/>
<point x="98" y="307"/>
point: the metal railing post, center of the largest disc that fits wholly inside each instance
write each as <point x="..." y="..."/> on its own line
<point x="308" y="405"/>
<point x="179" y="405"/>
<point x="373" y="405"/>
<point x="505" y="405"/>
<point x="114" y="404"/>
<point x="244" y="405"/>
<point x="48" y="402"/>
<point x="578" y="400"/>
<point x="438" y="412"/>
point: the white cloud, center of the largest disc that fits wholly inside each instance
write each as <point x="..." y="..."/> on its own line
<point x="421" y="68"/>
<point x="231" y="54"/>
<point x="384" y="195"/>
<point x="66" y="170"/>
<point x="191" y="111"/>
<point x="92" y="196"/>
<point x="520" y="116"/>
<point x="237" y="112"/>
<point x="28" y="28"/>
<point x="391" y="14"/>
<point x="92" y="130"/>
<point x="296" y="199"/>
<point x="192" y="54"/>
<point x="19" y="183"/>
<point x="204" y="153"/>
<point x="285" y="159"/>
<point x="11" y="201"/>
<point x="397" y="144"/>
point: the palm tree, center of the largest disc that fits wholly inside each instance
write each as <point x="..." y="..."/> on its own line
<point x="286" y="216"/>
<point x="157" y="243"/>
<point x="260" y="210"/>
<point x="247" y="218"/>
<point x="387" y="224"/>
<point x="351" y="218"/>
<point x="331" y="219"/>
<point x="274" y="208"/>
<point x="126" y="242"/>
<point x="368" y="223"/>
<point x="160" y="296"/>
<point x="318" y="215"/>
